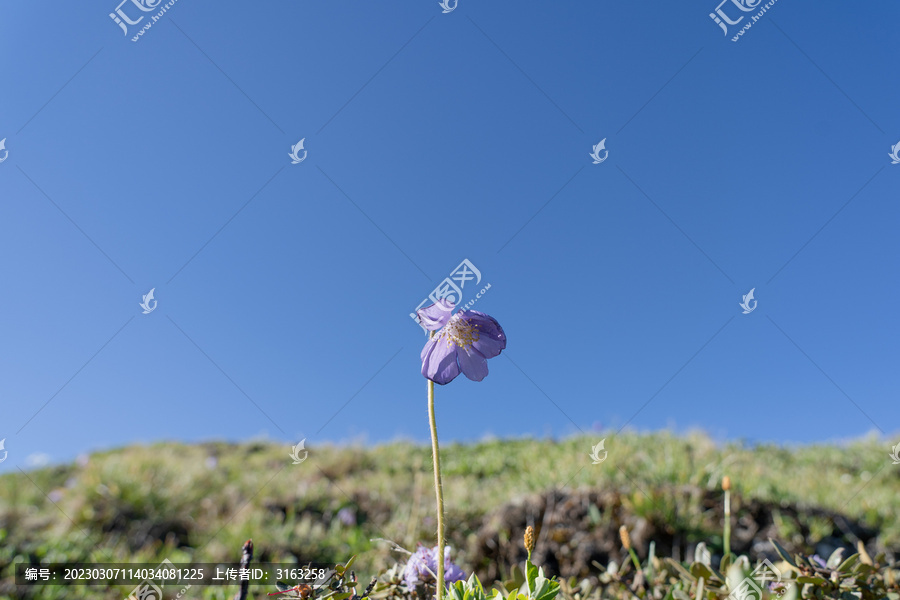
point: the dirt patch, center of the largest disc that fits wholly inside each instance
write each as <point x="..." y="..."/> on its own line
<point x="576" y="529"/>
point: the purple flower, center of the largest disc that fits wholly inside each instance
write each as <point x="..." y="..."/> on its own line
<point x="347" y="516"/>
<point x="818" y="560"/>
<point x="777" y="587"/>
<point x="465" y="341"/>
<point x="422" y="567"/>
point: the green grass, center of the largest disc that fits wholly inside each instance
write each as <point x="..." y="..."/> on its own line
<point x="146" y="503"/>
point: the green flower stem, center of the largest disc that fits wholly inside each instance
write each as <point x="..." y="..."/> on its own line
<point x="727" y="533"/>
<point x="527" y="562"/>
<point x="634" y="559"/>
<point x="438" y="489"/>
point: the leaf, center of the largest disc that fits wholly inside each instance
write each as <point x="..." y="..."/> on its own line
<point x="685" y="574"/>
<point x="726" y="562"/>
<point x="699" y="569"/>
<point x="456" y="591"/>
<point x="813" y="579"/>
<point x="349" y="563"/>
<point x="835" y="559"/>
<point x="702" y="554"/>
<point x="737" y="572"/>
<point x="863" y="555"/>
<point x="783" y="553"/>
<point x="517" y="577"/>
<point x="531" y="574"/>
<point x="545" y="589"/>
<point x="849" y="563"/>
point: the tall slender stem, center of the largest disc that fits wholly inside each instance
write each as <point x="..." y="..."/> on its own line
<point x="727" y="533"/>
<point x="438" y="489"/>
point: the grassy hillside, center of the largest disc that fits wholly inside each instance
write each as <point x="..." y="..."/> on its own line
<point x="201" y="502"/>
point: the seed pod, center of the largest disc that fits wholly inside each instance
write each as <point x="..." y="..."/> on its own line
<point x="626" y="539"/>
<point x="529" y="538"/>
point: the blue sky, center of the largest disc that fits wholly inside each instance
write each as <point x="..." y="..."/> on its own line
<point x="284" y="289"/>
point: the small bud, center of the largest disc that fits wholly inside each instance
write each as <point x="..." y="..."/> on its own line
<point x="529" y="538"/>
<point x="626" y="539"/>
<point x="726" y="483"/>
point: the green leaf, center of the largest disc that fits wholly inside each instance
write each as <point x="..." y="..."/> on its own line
<point x="456" y="591"/>
<point x="699" y="569"/>
<point x="349" y="563"/>
<point x="813" y="579"/>
<point x="531" y="573"/>
<point x="835" y="559"/>
<point x="783" y="553"/>
<point x="726" y="562"/>
<point x="849" y="563"/>
<point x="685" y="574"/>
<point x="517" y="577"/>
<point x="545" y="589"/>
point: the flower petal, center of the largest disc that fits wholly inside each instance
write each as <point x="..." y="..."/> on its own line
<point x="473" y="363"/>
<point x="435" y="316"/>
<point x="439" y="360"/>
<point x="491" y="338"/>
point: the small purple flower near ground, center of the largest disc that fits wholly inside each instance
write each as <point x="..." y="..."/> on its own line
<point x="777" y="587"/>
<point x="347" y="516"/>
<point x="422" y="567"/>
<point x="464" y="342"/>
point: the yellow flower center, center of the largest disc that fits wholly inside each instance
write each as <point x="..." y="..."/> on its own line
<point x="461" y="333"/>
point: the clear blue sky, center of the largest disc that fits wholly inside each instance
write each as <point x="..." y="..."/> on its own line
<point x="284" y="289"/>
